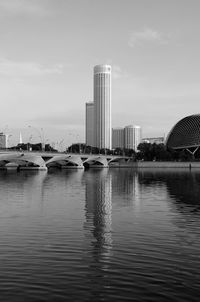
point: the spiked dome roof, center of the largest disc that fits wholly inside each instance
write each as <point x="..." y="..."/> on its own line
<point x="185" y="134"/>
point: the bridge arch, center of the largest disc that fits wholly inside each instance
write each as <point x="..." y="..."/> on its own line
<point x="96" y="162"/>
<point x="65" y="162"/>
<point x="116" y="161"/>
<point x="22" y="161"/>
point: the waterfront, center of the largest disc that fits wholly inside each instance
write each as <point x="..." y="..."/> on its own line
<point x="100" y="235"/>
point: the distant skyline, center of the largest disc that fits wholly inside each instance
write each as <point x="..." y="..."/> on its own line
<point x="49" y="48"/>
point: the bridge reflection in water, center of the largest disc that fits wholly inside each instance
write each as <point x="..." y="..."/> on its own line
<point x="43" y="161"/>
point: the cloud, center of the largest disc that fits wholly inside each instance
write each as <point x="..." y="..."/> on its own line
<point x="24" y="69"/>
<point x="146" y="35"/>
<point x="30" y="7"/>
<point x="118" y="73"/>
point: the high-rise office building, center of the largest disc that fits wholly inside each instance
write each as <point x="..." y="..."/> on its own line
<point x="118" y="138"/>
<point x="102" y="107"/>
<point x="128" y="137"/>
<point x="89" y="124"/>
<point x="137" y="137"/>
<point x="3" y="141"/>
<point x="132" y="137"/>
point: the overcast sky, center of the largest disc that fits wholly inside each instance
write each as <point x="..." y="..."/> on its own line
<point x="48" y="49"/>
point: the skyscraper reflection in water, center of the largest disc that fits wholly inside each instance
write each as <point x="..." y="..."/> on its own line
<point x="98" y="229"/>
<point x="98" y="210"/>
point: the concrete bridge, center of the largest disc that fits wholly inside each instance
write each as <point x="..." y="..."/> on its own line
<point x="46" y="160"/>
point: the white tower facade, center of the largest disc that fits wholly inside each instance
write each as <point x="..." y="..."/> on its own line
<point x="102" y="107"/>
<point x="137" y="137"/>
<point x="89" y="124"/>
<point x="132" y="137"/>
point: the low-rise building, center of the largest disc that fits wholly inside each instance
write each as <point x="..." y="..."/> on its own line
<point x="154" y="140"/>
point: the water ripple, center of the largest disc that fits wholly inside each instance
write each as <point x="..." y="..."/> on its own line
<point x="101" y="235"/>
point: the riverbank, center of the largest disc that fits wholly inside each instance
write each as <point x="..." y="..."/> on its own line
<point x="158" y="164"/>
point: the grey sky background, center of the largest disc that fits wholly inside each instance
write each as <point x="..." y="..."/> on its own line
<point x="48" y="49"/>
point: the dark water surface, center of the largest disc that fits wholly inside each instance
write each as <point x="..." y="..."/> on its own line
<point x="100" y="235"/>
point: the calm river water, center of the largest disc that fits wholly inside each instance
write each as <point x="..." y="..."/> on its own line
<point x="100" y="235"/>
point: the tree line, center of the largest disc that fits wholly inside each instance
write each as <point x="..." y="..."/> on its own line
<point x="33" y="147"/>
<point x="83" y="148"/>
<point x="145" y="152"/>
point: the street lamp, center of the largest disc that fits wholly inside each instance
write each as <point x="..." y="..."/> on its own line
<point x="79" y="143"/>
<point x="41" y="135"/>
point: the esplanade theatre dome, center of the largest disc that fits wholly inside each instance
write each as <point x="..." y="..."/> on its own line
<point x="185" y="134"/>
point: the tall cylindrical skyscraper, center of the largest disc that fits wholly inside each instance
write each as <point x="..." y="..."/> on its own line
<point x="102" y="107"/>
